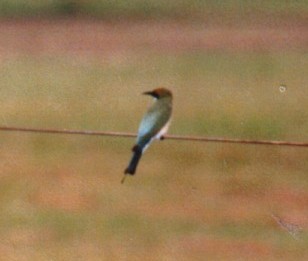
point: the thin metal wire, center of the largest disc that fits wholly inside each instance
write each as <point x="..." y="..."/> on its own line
<point x="170" y="137"/>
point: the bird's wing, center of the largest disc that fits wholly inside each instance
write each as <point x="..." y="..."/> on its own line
<point x="153" y="121"/>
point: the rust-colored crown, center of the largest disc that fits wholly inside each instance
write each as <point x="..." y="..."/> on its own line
<point x="159" y="92"/>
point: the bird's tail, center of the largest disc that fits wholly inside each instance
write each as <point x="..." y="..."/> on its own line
<point x="131" y="169"/>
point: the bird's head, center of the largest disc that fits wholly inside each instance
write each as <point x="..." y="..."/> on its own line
<point x="159" y="93"/>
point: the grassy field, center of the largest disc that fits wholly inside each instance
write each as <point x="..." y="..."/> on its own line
<point x="61" y="197"/>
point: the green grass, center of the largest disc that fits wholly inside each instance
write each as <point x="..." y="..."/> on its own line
<point x="216" y="94"/>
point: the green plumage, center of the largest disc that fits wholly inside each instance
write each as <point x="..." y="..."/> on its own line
<point x="154" y="120"/>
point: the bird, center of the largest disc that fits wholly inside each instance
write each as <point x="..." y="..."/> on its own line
<point x="154" y="125"/>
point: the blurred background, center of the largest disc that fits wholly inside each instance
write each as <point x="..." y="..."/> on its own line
<point x="237" y="69"/>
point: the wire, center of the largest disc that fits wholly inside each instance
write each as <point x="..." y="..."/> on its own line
<point x="169" y="137"/>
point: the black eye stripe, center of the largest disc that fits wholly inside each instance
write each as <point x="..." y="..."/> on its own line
<point x="154" y="94"/>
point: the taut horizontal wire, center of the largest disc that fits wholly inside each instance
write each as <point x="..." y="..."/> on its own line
<point x="169" y="137"/>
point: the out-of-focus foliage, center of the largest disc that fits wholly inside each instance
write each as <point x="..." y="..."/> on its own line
<point x="150" y="9"/>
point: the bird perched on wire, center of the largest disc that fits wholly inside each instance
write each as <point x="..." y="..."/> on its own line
<point x="154" y="125"/>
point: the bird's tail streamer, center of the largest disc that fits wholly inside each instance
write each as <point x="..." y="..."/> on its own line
<point x="131" y="169"/>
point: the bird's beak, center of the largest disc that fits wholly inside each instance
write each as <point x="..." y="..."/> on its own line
<point x="152" y="93"/>
<point x="148" y="93"/>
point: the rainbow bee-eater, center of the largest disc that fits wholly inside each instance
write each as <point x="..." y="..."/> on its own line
<point x="154" y="125"/>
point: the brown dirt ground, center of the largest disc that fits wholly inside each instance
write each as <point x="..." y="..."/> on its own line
<point x="99" y="38"/>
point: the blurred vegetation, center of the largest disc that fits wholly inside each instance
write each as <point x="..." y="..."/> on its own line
<point x="156" y="9"/>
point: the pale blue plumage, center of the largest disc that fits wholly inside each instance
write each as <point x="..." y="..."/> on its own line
<point x="156" y="118"/>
